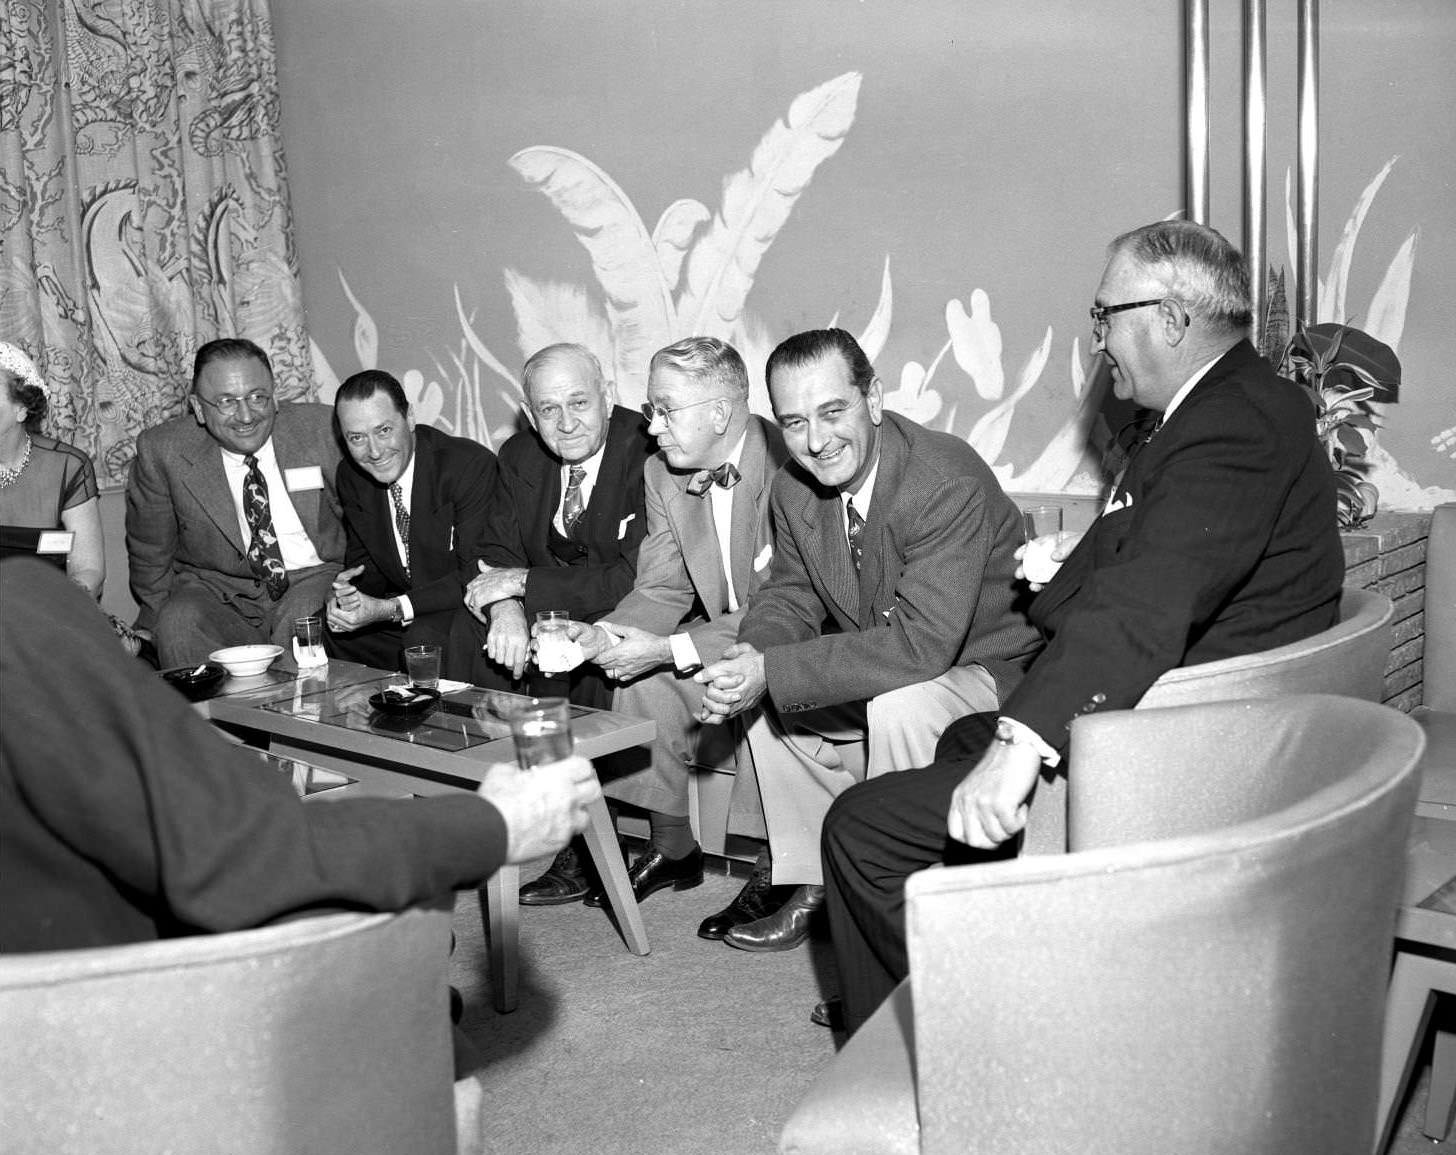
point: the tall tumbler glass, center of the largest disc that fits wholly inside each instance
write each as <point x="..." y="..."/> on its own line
<point x="541" y="728"/>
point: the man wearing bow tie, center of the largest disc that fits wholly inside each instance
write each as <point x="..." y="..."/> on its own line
<point x="891" y="597"/>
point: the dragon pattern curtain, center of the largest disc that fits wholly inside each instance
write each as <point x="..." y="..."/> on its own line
<point x="143" y="206"/>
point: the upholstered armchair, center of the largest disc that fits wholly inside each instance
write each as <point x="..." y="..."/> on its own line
<point x="1204" y="972"/>
<point x="325" y="1034"/>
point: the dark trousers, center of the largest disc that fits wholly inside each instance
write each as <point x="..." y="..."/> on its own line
<point x="875" y="835"/>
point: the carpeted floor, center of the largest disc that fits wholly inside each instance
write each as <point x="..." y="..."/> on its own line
<point x="694" y="1048"/>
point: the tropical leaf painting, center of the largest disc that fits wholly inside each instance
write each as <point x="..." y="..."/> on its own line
<point x="694" y="270"/>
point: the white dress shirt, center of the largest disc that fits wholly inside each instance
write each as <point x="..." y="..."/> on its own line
<point x="293" y="542"/>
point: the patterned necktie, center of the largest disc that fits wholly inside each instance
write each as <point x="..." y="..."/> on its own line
<point x="856" y="530"/>
<point x="264" y="556"/>
<point x="401" y="522"/>
<point x="726" y="475"/>
<point x="571" y="505"/>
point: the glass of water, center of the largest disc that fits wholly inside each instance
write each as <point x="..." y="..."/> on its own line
<point x="541" y="728"/>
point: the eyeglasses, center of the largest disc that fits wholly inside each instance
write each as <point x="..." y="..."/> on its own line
<point x="229" y="406"/>
<point x="1100" y="313"/>
<point x="653" y="412"/>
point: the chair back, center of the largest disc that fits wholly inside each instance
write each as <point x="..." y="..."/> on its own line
<point x="1347" y="659"/>
<point x="1210" y="977"/>
<point x="325" y="1034"/>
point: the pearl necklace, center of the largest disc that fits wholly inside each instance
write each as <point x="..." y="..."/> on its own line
<point x="8" y="476"/>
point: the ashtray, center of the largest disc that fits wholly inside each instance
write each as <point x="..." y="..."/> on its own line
<point x="197" y="682"/>
<point x="405" y="701"/>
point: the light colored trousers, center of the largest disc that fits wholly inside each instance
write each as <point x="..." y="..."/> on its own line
<point x="801" y="762"/>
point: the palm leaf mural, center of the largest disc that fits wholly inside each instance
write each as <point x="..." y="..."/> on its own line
<point x="988" y="435"/>
<point x="1331" y="306"/>
<point x="548" y="312"/>
<point x="976" y="342"/>
<point x="756" y="203"/>
<point x="638" y="297"/>
<point x="872" y="340"/>
<point x="673" y="236"/>
<point x="1385" y="319"/>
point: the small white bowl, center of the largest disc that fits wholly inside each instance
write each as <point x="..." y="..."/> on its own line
<point x="245" y="661"/>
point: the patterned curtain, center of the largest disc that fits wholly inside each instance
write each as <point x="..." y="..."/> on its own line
<point x="143" y="206"/>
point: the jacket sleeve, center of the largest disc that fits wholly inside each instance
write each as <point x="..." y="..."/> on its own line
<point x="662" y="593"/>
<point x="472" y="493"/>
<point x="151" y="531"/>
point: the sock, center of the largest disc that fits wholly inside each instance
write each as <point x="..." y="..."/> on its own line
<point x="672" y="834"/>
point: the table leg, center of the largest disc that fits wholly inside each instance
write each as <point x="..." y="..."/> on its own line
<point x="501" y="912"/>
<point x="601" y="840"/>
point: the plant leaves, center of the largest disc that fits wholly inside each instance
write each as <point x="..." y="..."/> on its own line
<point x="624" y="258"/>
<point x="673" y="236"/>
<point x="548" y="312"/>
<point x="477" y="346"/>
<point x="872" y="340"/>
<point x="1331" y="305"/>
<point x="976" y="341"/>
<point x="366" y="333"/>
<point x="756" y="203"/>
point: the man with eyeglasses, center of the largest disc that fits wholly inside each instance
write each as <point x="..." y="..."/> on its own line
<point x="892" y="596"/>
<point x="232" y="519"/>
<point x="1217" y="539"/>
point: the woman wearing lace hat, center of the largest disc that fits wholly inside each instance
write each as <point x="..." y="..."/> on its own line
<point x="45" y="483"/>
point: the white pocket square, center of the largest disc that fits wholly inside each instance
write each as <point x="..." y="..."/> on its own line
<point x="760" y="563"/>
<point x="622" y="527"/>
<point x="1121" y="501"/>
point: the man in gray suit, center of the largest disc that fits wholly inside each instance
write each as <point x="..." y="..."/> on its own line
<point x="232" y="520"/>
<point x="892" y="587"/>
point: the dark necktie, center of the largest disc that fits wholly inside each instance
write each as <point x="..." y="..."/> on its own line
<point x="264" y="556"/>
<point x="856" y="531"/>
<point x="571" y="505"/>
<point x="401" y="522"/>
<point x="725" y="475"/>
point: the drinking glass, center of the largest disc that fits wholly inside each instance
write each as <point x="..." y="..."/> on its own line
<point x="556" y="653"/>
<point x="1041" y="520"/>
<point x="423" y="665"/>
<point x="308" y="643"/>
<point x="541" y="728"/>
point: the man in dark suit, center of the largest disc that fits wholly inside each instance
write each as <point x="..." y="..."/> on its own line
<point x="1218" y="539"/>
<point x="565" y="531"/>
<point x="232" y="520"/>
<point x="415" y="502"/>
<point x="708" y="548"/>
<point x="143" y="823"/>
<point x="901" y="540"/>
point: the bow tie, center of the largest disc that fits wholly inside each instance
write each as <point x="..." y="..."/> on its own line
<point x="726" y="475"/>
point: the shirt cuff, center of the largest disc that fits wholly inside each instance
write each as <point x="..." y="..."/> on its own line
<point x="1030" y="737"/>
<point x="406" y="610"/>
<point x="684" y="653"/>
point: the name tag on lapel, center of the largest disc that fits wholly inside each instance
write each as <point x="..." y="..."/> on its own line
<point x="622" y="528"/>
<point x="54" y="541"/>
<point x="303" y="477"/>
<point x="760" y="563"/>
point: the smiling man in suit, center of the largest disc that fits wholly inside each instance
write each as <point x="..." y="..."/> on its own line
<point x="1217" y="540"/>
<point x="564" y="534"/>
<point x="891" y="590"/>
<point x="232" y="520"/>
<point x="415" y="502"/>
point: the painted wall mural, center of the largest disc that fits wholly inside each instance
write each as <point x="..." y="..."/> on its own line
<point x="693" y="272"/>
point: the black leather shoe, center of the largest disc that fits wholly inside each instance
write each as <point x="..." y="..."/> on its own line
<point x="655" y="871"/>
<point x="829" y="1013"/>
<point x="754" y="901"/>
<point x="785" y="929"/>
<point x="564" y="881"/>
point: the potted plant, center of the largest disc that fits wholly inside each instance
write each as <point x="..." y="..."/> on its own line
<point x="1345" y="370"/>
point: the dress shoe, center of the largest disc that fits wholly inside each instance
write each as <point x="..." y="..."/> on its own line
<point x="829" y="1013"/>
<point x="655" y="871"/>
<point x="754" y="901"/>
<point x="564" y="881"/>
<point x="785" y="929"/>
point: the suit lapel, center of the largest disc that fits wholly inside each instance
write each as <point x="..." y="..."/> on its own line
<point x="207" y="481"/>
<point x="876" y="534"/>
<point x="826" y="549"/>
<point x="750" y="530"/>
<point x="693" y="519"/>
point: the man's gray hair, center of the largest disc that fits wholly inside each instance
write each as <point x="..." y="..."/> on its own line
<point x="1198" y="266"/>
<point x="708" y="361"/>
<point x="563" y="351"/>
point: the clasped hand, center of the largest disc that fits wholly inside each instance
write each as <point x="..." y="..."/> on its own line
<point x="990" y="805"/>
<point x="349" y="608"/>
<point x="622" y="652"/>
<point x="735" y="683"/>
<point x="493" y="584"/>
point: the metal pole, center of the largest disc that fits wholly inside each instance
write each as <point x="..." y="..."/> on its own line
<point x="1255" y="171"/>
<point x="1195" y="22"/>
<point x="1307" y="213"/>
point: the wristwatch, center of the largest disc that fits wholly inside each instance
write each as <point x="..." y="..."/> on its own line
<point x="396" y="612"/>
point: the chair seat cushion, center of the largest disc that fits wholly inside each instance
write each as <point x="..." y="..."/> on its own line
<point x="1438" y="766"/>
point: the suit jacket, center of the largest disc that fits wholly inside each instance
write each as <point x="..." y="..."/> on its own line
<point x="144" y="823"/>
<point x="181" y="523"/>
<point x="454" y="488"/>
<point x="608" y="534"/>
<point x="680" y="565"/>
<point x="1219" y="540"/>
<point x="936" y="586"/>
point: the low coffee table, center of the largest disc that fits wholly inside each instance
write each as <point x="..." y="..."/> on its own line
<point x="326" y="720"/>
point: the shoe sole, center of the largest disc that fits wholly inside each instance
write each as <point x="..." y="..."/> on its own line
<point x="685" y="884"/>
<point x="764" y="948"/>
<point x="550" y="900"/>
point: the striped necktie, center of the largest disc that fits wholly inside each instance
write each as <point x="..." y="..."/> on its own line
<point x="401" y="522"/>
<point x="571" y="504"/>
